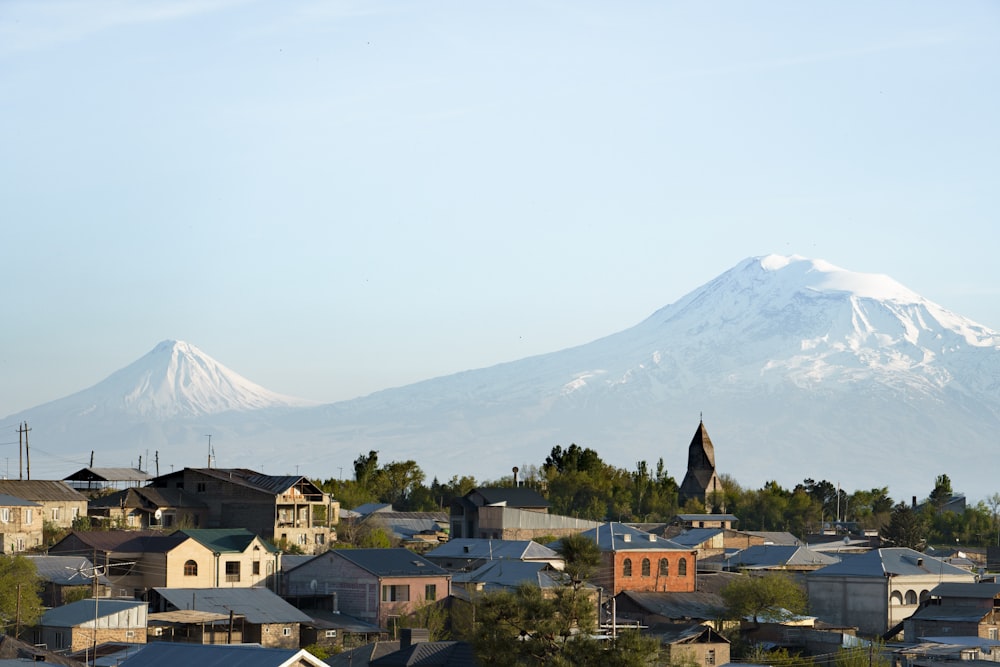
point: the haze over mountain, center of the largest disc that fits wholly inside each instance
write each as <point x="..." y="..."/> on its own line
<point x="801" y="369"/>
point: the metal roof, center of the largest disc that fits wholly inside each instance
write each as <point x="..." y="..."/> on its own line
<point x="956" y="589"/>
<point x="762" y="556"/>
<point x="707" y="517"/>
<point x="696" y="536"/>
<point x="257" y="605"/>
<point x="511" y="574"/>
<point x="332" y="620"/>
<point x="697" y="606"/>
<point x="390" y="562"/>
<point x="170" y="654"/>
<point x="109" y="475"/>
<point x="616" y="536"/>
<point x="82" y="612"/>
<point x="187" y="617"/>
<point x="224" y="540"/>
<point x="510" y="496"/>
<point x="966" y="613"/>
<point x="430" y="654"/>
<point x="7" y="500"/>
<point x="14" y="649"/>
<point x="894" y="561"/>
<point x="40" y="490"/>
<point x="148" y="497"/>
<point x="65" y="570"/>
<point x="474" y="548"/>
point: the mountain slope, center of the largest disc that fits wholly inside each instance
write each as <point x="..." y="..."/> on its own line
<point x="800" y="368"/>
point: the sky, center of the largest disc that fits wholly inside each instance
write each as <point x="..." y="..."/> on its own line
<point x="332" y="198"/>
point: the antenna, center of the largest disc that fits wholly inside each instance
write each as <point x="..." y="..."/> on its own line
<point x="209" y="436"/>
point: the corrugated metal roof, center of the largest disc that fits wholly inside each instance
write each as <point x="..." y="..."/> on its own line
<point x="169" y="654"/>
<point x="430" y="654"/>
<point x="698" y="606"/>
<point x="696" y="536"/>
<point x="109" y="475"/>
<point x="7" y="500"/>
<point x="779" y="555"/>
<point x="983" y="591"/>
<point x="23" y="652"/>
<point x="258" y="605"/>
<point x="65" y="570"/>
<point x="951" y="612"/>
<point x="391" y="562"/>
<point x="40" y="490"/>
<point x="510" y="496"/>
<point x="894" y="561"/>
<point x="511" y="574"/>
<point x="492" y="549"/>
<point x="224" y="540"/>
<point x="82" y="612"/>
<point x="616" y="536"/>
<point x="187" y="616"/>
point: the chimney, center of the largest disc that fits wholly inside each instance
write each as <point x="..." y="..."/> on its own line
<point x="914" y="502"/>
<point x="627" y="537"/>
<point x="515" y="471"/>
<point x="652" y="538"/>
<point x="410" y="636"/>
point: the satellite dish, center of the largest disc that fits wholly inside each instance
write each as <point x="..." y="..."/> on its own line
<point x="312" y="585"/>
<point x="847" y="540"/>
<point x="158" y="514"/>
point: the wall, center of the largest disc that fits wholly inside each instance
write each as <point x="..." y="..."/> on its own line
<point x="672" y="582"/>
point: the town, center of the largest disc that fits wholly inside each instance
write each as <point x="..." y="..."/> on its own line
<point x="570" y="561"/>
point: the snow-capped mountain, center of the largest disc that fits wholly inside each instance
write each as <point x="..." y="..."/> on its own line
<point x="801" y="369"/>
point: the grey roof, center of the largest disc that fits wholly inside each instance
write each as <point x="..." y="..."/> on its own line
<point x="363" y="655"/>
<point x="122" y="541"/>
<point x="895" y="561"/>
<point x="82" y="611"/>
<point x="7" y="500"/>
<point x="430" y="654"/>
<point x="763" y="556"/>
<point x="695" y="536"/>
<point x="330" y="620"/>
<point x="292" y="561"/>
<point x="675" y="633"/>
<point x="65" y="570"/>
<point x="257" y="605"/>
<point x="956" y="589"/>
<point x="952" y="612"/>
<point x="109" y="475"/>
<point x="40" y="490"/>
<point x="473" y="548"/>
<point x="510" y="496"/>
<point x="369" y="508"/>
<point x="775" y="537"/>
<point x="696" y="606"/>
<point x="390" y="562"/>
<point x="170" y="654"/>
<point x="616" y="536"/>
<point x="707" y="517"/>
<point x="503" y="574"/>
<point x="405" y="525"/>
<point x="148" y="498"/>
<point x="14" y="649"/>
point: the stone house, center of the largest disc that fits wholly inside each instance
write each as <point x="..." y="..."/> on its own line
<point x="149" y="508"/>
<point x="957" y="610"/>
<point x="73" y="626"/>
<point x="509" y="513"/>
<point x="288" y="510"/>
<point x="60" y="503"/>
<point x="374" y="585"/>
<point x="20" y="524"/>
<point x="690" y="644"/>
<point x="876" y="590"/>
<point x="60" y="574"/>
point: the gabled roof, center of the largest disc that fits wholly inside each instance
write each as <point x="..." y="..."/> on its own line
<point x="103" y="541"/>
<point x="170" y="654"/>
<point x="390" y="562"/>
<point x="82" y="612"/>
<point x="270" y="484"/>
<point x="895" y="561"/>
<point x="694" y="606"/>
<point x="472" y="548"/>
<point x="685" y="633"/>
<point x="957" y="613"/>
<point x="7" y="500"/>
<point x="224" y="540"/>
<point x="109" y="475"/>
<point x="616" y="536"/>
<point x="511" y="496"/>
<point x="406" y="525"/>
<point x="764" y="556"/>
<point x="257" y="605"/>
<point x="148" y="498"/>
<point x="774" y="537"/>
<point x="955" y="589"/>
<point x="23" y="652"/>
<point x="370" y="508"/>
<point x="65" y="570"/>
<point x="696" y="536"/>
<point x="708" y="517"/>
<point x="41" y="490"/>
<point x="501" y="574"/>
<point x="430" y="654"/>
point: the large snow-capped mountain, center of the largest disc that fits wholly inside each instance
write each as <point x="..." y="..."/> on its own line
<point x="801" y="369"/>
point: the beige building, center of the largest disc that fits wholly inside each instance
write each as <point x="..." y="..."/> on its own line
<point x="20" y="524"/>
<point x="60" y="504"/>
<point x="79" y="625"/>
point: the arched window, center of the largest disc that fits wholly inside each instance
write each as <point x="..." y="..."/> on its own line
<point x="190" y="569"/>
<point x="645" y="567"/>
<point x="664" y="567"/>
<point x="911" y="597"/>
<point x="682" y="567"/>
<point x="627" y="567"/>
<point x="924" y="594"/>
<point x="896" y="598"/>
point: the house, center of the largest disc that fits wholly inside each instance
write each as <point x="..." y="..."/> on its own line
<point x="632" y="560"/>
<point x="650" y="608"/>
<point x="137" y="561"/>
<point x="415" y="529"/>
<point x="956" y="610"/>
<point x="164" y="654"/>
<point x="690" y="644"/>
<point x="776" y="557"/>
<point x="195" y="627"/>
<point x="466" y="554"/>
<point x="509" y="574"/>
<point x="86" y="623"/>
<point x="288" y="510"/>
<point x="701" y="484"/>
<point x="267" y="619"/>
<point x="336" y="631"/>
<point x="60" y="574"/>
<point x="95" y="481"/>
<point x="509" y="513"/>
<point x="146" y="508"/>
<point x="412" y="649"/>
<point x="689" y="521"/>
<point x="374" y="585"/>
<point x="874" y="591"/>
<point x="20" y="524"/>
<point x="16" y="652"/>
<point x="60" y="503"/>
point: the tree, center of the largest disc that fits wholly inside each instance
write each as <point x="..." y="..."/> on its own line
<point x="773" y="594"/>
<point x="942" y="492"/>
<point x="906" y="528"/>
<point x="581" y="555"/>
<point x="20" y="587"/>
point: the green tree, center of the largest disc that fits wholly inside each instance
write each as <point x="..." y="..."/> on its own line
<point x="774" y="594"/>
<point x="906" y="528"/>
<point x="20" y="588"/>
<point x="942" y="492"/>
<point x="872" y="655"/>
<point x="581" y="556"/>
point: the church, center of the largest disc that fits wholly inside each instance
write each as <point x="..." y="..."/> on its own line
<point x="700" y="482"/>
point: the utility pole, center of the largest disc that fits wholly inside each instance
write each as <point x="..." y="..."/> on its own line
<point x="22" y="450"/>
<point x="157" y="462"/>
<point x="27" y="450"/>
<point x="209" y="436"/>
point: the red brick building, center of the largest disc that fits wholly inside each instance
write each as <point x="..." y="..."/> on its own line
<point x="634" y="560"/>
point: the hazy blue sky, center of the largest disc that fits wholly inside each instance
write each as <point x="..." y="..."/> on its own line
<point x="332" y="198"/>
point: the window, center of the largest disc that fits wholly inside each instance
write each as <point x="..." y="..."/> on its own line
<point x="645" y="567"/>
<point x="60" y="641"/>
<point x="431" y="592"/>
<point x="710" y="657"/>
<point x="286" y="632"/>
<point x="993" y="633"/>
<point x="28" y="515"/>
<point x="303" y="538"/>
<point x="200" y="488"/>
<point x="627" y="567"/>
<point x="682" y="567"/>
<point x="911" y="597"/>
<point x="130" y="520"/>
<point x="256" y="567"/>
<point x="395" y="593"/>
<point x="320" y="538"/>
<point x="5" y="514"/>
<point x="76" y="512"/>
<point x="330" y="634"/>
<point x="190" y="569"/>
<point x="129" y="634"/>
<point x="896" y="598"/>
<point x="664" y="567"/>
<point x="232" y="570"/>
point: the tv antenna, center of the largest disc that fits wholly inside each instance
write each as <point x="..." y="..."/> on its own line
<point x="211" y="452"/>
